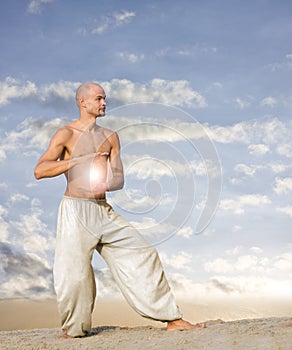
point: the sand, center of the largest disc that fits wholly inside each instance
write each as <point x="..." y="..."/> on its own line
<point x="232" y="325"/>
<point x="265" y="334"/>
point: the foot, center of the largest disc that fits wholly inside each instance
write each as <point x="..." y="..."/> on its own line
<point x="65" y="336"/>
<point x="182" y="325"/>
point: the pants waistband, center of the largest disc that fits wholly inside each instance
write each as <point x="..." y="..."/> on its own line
<point x="94" y="200"/>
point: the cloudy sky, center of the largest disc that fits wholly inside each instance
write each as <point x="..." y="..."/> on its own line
<point x="216" y="76"/>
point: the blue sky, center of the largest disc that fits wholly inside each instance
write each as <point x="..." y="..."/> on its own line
<point x="218" y="68"/>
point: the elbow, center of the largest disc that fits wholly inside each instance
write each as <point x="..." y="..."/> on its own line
<point x="37" y="174"/>
<point x="121" y="185"/>
<point x="117" y="185"/>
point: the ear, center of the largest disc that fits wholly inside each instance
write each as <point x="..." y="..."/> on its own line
<point x="82" y="102"/>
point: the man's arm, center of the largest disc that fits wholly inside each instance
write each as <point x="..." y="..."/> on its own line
<point x="116" y="180"/>
<point x="49" y="164"/>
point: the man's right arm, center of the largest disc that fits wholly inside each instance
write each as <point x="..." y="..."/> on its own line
<point x="49" y="165"/>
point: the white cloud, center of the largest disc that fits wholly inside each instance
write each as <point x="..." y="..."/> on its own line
<point x="258" y="149"/>
<point x="249" y="286"/>
<point x="4" y="226"/>
<point x="42" y="132"/>
<point x="245" y="275"/>
<point x="159" y="130"/>
<point x="241" y="103"/>
<point x="217" y="85"/>
<point x="31" y="184"/>
<point x="185" y="288"/>
<point x="134" y="200"/>
<point x="199" y="168"/>
<point x="236" y="228"/>
<point x="253" y="199"/>
<point x="177" y="261"/>
<point x="3" y="211"/>
<point x="285" y="150"/>
<point x="246" y="263"/>
<point x="33" y="232"/>
<point x="64" y="90"/>
<point x="235" y="180"/>
<point x="218" y="265"/>
<point x="174" y="93"/>
<point x="183" y="52"/>
<point x="185" y="232"/>
<point x="186" y="51"/>
<point x="237" y="206"/>
<point x="278" y="167"/>
<point x="268" y="131"/>
<point x="124" y="16"/>
<point x="112" y="21"/>
<point x="283" y="185"/>
<point x="284" y="261"/>
<point x="4" y="230"/>
<point x="147" y="166"/>
<point x="18" y="197"/>
<point x="154" y="229"/>
<point x="30" y="134"/>
<point x="158" y="232"/>
<point x="269" y="101"/>
<point x="106" y="284"/>
<point x="144" y="167"/>
<point x="35" y="6"/>
<point x="130" y="57"/>
<point x="248" y="170"/>
<point x="286" y="210"/>
<point x="237" y="249"/>
<point x="29" y="275"/>
<point x="38" y="287"/>
<point x="11" y="88"/>
<point x="2" y="154"/>
<point x="256" y="250"/>
<point x="243" y="263"/>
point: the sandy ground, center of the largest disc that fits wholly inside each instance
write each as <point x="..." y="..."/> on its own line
<point x="239" y="324"/>
<point x="265" y="334"/>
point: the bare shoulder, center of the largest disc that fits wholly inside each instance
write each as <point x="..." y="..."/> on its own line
<point x="63" y="134"/>
<point x="71" y="127"/>
<point x="109" y="134"/>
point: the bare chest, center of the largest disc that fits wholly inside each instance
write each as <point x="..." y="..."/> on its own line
<point x="84" y="143"/>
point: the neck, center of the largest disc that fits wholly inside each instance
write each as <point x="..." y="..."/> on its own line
<point x="88" y="124"/>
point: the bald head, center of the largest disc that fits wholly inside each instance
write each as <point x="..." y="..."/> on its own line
<point x="84" y="90"/>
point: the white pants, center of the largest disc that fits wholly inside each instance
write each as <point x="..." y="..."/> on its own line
<point x="86" y="225"/>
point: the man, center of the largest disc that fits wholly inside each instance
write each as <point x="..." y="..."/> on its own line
<point x="89" y="156"/>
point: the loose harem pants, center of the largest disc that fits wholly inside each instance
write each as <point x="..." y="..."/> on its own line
<point x="86" y="225"/>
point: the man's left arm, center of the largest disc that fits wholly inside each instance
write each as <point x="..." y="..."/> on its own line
<point x="116" y="178"/>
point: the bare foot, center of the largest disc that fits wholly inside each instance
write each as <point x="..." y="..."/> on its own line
<point x="65" y="336"/>
<point x="182" y="325"/>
